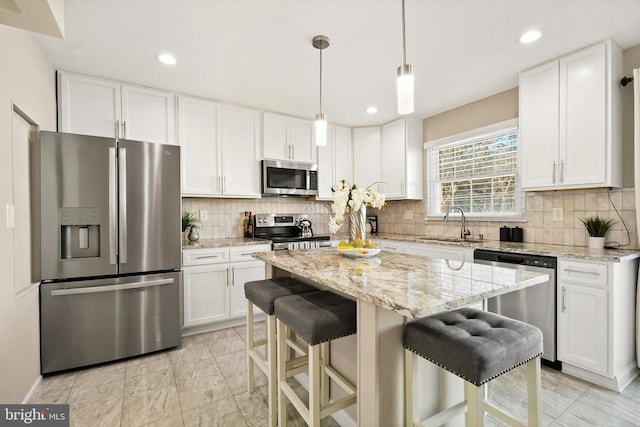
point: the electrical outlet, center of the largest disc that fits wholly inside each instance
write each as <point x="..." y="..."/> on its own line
<point x="408" y="214"/>
<point x="204" y="215"/>
<point x="558" y="214"/>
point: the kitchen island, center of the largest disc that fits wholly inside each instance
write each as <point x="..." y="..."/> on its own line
<point x="390" y="289"/>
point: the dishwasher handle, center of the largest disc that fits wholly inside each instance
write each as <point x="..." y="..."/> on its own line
<point x="111" y="288"/>
<point x="510" y="259"/>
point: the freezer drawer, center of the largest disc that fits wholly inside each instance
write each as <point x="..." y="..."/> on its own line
<point x="87" y="322"/>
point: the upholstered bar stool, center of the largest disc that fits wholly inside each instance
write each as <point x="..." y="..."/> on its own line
<point x="262" y="294"/>
<point x="477" y="346"/>
<point x="317" y="318"/>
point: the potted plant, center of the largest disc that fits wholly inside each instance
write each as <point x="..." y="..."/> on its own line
<point x="190" y="222"/>
<point x="597" y="227"/>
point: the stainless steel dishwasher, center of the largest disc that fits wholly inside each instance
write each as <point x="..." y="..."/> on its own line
<point x="535" y="305"/>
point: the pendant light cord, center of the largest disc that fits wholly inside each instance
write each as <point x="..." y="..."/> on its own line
<point x="321" y="79"/>
<point x="404" y="41"/>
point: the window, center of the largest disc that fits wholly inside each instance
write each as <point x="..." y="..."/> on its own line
<point x="476" y="171"/>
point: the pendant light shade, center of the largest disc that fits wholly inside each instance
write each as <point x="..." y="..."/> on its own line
<point x="320" y="43"/>
<point x="321" y="129"/>
<point x="405" y="78"/>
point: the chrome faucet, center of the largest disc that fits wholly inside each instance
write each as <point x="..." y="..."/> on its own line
<point x="464" y="231"/>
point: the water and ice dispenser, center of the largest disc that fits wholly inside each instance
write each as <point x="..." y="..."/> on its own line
<point x="79" y="233"/>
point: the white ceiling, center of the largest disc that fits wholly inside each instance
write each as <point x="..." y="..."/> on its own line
<point x="258" y="53"/>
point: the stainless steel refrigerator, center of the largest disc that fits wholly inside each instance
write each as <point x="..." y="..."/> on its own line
<point x="106" y="239"/>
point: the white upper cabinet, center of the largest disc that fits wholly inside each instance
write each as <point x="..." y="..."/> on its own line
<point x="334" y="160"/>
<point x="220" y="146"/>
<point x="148" y="115"/>
<point x="366" y="157"/>
<point x="92" y="106"/>
<point x="392" y="156"/>
<point x="200" y="153"/>
<point x="571" y="122"/>
<point x="401" y="159"/>
<point x="287" y="138"/>
<point x="240" y="140"/>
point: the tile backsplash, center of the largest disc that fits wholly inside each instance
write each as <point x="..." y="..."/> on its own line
<point x="225" y="216"/>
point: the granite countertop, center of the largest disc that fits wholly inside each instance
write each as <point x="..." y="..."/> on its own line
<point x="221" y="243"/>
<point x="560" y="251"/>
<point x="411" y="285"/>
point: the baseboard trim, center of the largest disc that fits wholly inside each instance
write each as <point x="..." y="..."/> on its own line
<point x="616" y="384"/>
<point x="194" y="330"/>
<point x="32" y="390"/>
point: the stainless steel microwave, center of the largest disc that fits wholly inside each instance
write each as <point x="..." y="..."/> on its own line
<point x="282" y="178"/>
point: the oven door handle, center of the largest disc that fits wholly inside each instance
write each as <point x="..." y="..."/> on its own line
<point x="111" y="288"/>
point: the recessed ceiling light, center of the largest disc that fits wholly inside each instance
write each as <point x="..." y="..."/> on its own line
<point x="530" y="36"/>
<point x="166" y="58"/>
<point x="372" y="110"/>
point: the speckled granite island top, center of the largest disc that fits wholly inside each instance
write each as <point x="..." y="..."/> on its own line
<point x="413" y="286"/>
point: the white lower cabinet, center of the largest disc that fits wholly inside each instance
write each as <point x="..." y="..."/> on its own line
<point x="213" y="282"/>
<point x="206" y="293"/>
<point x="583" y="331"/>
<point x="596" y="314"/>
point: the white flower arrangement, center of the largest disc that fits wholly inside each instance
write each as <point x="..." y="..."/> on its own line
<point x="348" y="198"/>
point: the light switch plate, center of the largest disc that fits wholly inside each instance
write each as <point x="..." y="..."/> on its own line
<point x="204" y="215"/>
<point x="558" y="214"/>
<point x="408" y="214"/>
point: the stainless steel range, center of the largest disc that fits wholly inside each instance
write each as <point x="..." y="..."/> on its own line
<point x="288" y="231"/>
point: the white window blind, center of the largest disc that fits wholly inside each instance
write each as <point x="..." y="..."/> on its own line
<point x="476" y="171"/>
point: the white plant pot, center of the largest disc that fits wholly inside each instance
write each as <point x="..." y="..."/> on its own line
<point x="596" y="242"/>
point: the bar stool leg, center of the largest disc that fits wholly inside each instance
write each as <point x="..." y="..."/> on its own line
<point x="325" y="357"/>
<point x="474" y="397"/>
<point x="273" y="372"/>
<point x="408" y="388"/>
<point x="282" y="358"/>
<point x="534" y="395"/>
<point x="314" y="385"/>
<point x="250" y="347"/>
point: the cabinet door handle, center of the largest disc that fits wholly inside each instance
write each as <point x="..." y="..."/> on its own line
<point x="207" y="256"/>
<point x="561" y="171"/>
<point x="554" y="171"/>
<point x="117" y="129"/>
<point x="564" y="298"/>
<point x="224" y="184"/>
<point x="233" y="276"/>
<point x="591" y="273"/>
<point x="124" y="128"/>
<point x="293" y="151"/>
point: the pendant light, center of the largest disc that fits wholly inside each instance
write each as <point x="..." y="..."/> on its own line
<point x="405" y="78"/>
<point x="320" y="43"/>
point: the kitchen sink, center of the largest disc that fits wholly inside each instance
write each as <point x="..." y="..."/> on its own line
<point x="449" y="239"/>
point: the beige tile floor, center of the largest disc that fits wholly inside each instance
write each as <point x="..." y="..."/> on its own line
<point x="203" y="383"/>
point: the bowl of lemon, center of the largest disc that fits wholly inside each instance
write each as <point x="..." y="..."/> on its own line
<point x="358" y="248"/>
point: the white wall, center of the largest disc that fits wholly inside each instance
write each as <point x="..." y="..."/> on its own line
<point x="27" y="79"/>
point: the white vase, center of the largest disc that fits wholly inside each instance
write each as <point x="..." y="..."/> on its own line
<point x="596" y="242"/>
<point x="358" y="223"/>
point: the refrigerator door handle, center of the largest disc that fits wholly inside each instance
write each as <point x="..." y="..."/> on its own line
<point x="122" y="203"/>
<point x="112" y="207"/>
<point x="111" y="288"/>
